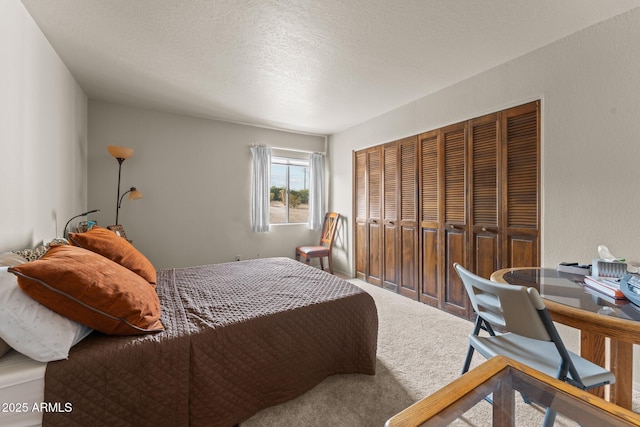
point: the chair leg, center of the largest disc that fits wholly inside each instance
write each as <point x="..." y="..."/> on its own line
<point x="467" y="360"/>
<point x="321" y="264"/>
<point x="476" y="330"/>
<point x="549" y="418"/>
<point x="297" y="256"/>
<point x="330" y="264"/>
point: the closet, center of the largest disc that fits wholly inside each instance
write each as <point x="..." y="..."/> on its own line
<point x="466" y="193"/>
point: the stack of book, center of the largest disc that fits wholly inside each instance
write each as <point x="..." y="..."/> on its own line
<point x="609" y="286"/>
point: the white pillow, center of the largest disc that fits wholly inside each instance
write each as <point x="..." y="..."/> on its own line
<point x="31" y="328"/>
<point x="10" y="259"/>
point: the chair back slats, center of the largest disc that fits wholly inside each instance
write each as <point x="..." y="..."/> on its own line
<point x="488" y="307"/>
<point x="507" y="307"/>
<point x="329" y="228"/>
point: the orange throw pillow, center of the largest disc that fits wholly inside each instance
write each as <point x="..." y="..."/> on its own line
<point x="109" y="244"/>
<point x="92" y="290"/>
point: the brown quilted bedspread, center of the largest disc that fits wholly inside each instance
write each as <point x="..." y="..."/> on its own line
<point x="239" y="337"/>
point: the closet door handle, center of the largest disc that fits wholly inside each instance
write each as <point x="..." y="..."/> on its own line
<point x="488" y="230"/>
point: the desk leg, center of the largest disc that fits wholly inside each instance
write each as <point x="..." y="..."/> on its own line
<point x="504" y="404"/>
<point x="592" y="347"/>
<point x="621" y="361"/>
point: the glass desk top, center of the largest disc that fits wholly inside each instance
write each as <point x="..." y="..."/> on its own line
<point x="567" y="289"/>
<point x="462" y="401"/>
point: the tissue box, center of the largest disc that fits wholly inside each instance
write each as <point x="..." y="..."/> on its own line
<point x="605" y="268"/>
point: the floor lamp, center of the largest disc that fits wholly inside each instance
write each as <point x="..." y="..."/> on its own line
<point x="121" y="154"/>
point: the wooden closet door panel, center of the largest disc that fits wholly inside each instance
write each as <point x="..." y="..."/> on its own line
<point x="429" y="286"/>
<point x="375" y="252"/>
<point x="522" y="249"/>
<point x="361" y="250"/>
<point x="390" y="216"/>
<point x="455" y="165"/>
<point x="408" y="216"/>
<point x="486" y="252"/>
<point x="484" y="145"/>
<point x="455" y="233"/>
<point x="360" y="212"/>
<point x="455" y="295"/>
<point x="390" y="254"/>
<point x="429" y="218"/>
<point x="374" y="215"/>
<point x="521" y="165"/>
<point x="409" y="266"/>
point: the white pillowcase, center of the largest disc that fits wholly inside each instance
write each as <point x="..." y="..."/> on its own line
<point x="31" y="328"/>
<point x="10" y="259"/>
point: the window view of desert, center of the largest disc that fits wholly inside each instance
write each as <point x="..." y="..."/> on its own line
<point x="289" y="194"/>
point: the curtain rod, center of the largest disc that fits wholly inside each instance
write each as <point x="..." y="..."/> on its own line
<point x="297" y="150"/>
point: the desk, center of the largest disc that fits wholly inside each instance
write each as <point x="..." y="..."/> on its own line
<point x="503" y="377"/>
<point x="596" y="317"/>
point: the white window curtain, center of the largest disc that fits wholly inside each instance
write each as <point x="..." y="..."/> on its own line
<point x="316" y="191"/>
<point x="261" y="181"/>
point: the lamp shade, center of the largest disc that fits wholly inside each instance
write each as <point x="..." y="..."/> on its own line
<point x="120" y="152"/>
<point x="135" y="194"/>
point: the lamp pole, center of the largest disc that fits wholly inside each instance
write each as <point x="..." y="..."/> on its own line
<point x="120" y="160"/>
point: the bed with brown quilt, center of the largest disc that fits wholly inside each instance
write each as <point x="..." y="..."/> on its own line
<point x="238" y="337"/>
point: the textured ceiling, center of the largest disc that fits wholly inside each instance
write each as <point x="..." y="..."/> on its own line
<point x="317" y="66"/>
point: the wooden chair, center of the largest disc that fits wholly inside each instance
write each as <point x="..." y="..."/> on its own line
<point x="326" y="242"/>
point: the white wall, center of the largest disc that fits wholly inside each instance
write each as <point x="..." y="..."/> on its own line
<point x="589" y="84"/>
<point x="195" y="177"/>
<point x="590" y="89"/>
<point x="43" y="135"/>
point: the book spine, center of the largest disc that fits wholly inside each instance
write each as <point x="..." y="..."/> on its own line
<point x="603" y="287"/>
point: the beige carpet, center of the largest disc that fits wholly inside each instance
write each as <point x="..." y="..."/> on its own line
<point x="420" y="350"/>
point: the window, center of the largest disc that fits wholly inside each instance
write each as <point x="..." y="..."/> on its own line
<point x="289" y="198"/>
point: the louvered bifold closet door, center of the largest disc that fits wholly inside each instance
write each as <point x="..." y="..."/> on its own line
<point x="521" y="133"/>
<point x="429" y="217"/>
<point x="374" y="215"/>
<point x="409" y="235"/>
<point x="360" y="212"/>
<point x="455" y="232"/>
<point x="484" y="145"/>
<point x="390" y="217"/>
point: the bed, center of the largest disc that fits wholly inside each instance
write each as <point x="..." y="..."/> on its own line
<point x="238" y="337"/>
